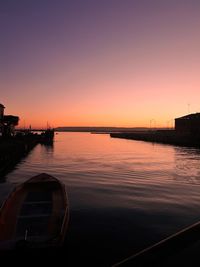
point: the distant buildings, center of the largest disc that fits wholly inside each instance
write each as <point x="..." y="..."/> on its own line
<point x="189" y="124"/>
<point x="7" y="123"/>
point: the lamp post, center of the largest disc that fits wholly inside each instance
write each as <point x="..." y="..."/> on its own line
<point x="151" y="121"/>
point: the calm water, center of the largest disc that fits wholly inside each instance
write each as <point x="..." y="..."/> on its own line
<point x="124" y="195"/>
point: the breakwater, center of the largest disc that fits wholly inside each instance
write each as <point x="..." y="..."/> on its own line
<point x="162" y="136"/>
<point x="13" y="149"/>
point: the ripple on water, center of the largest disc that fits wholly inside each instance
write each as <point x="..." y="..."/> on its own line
<point x="143" y="191"/>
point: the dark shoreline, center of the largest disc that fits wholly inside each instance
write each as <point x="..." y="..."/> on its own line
<point x="14" y="149"/>
<point x="170" y="137"/>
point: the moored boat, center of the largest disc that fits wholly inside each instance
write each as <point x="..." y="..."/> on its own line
<point x="35" y="214"/>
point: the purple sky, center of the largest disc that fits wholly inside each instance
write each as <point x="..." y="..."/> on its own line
<point x="127" y="61"/>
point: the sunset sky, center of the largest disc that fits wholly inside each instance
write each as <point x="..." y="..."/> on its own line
<point x="99" y="62"/>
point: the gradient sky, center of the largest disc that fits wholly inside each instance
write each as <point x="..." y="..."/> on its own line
<point x="99" y="62"/>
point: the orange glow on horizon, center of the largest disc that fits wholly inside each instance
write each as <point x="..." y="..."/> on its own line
<point x="105" y="67"/>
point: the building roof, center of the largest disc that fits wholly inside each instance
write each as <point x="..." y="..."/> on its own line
<point x="10" y="119"/>
<point x="189" y="117"/>
<point x="1" y="106"/>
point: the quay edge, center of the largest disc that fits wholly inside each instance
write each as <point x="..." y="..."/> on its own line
<point x="170" y="137"/>
<point x="13" y="149"/>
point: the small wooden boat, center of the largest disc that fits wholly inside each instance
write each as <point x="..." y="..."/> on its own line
<point x="35" y="214"/>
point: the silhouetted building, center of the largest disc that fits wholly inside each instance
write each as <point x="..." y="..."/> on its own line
<point x="1" y="111"/>
<point x="7" y="123"/>
<point x="189" y="124"/>
<point x="10" y="122"/>
<point x="1" y="118"/>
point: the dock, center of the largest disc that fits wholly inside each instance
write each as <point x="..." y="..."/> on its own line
<point x="14" y="148"/>
<point x="179" y="249"/>
<point x="170" y="137"/>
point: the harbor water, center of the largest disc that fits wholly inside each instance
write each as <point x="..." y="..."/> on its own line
<point x="124" y="195"/>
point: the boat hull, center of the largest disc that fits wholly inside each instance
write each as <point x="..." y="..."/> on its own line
<point x="35" y="214"/>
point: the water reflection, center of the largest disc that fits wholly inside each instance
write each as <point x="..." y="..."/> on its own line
<point x="120" y="191"/>
<point x="187" y="167"/>
<point x="49" y="146"/>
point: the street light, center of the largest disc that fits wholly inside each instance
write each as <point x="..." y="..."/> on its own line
<point x="151" y="121"/>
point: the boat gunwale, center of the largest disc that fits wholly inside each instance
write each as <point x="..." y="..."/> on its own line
<point x="56" y="240"/>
